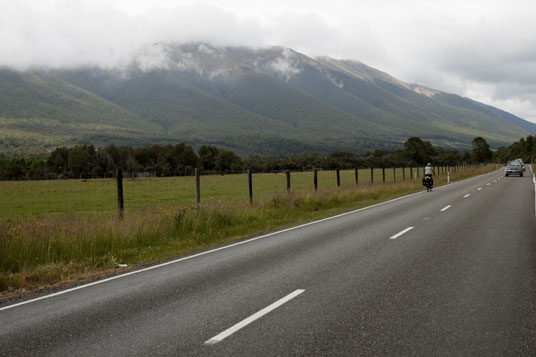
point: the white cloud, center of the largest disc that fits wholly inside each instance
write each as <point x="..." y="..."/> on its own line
<point x="286" y="64"/>
<point x="71" y="33"/>
<point x="482" y="49"/>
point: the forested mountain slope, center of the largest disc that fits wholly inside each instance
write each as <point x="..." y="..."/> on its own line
<point x="271" y="100"/>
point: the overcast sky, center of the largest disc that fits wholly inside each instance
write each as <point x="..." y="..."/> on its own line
<point x="485" y="50"/>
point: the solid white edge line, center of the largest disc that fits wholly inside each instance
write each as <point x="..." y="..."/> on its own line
<point x="467" y="195"/>
<point x="256" y="316"/>
<point x="214" y="250"/>
<point x="534" y="181"/>
<point x="401" y="233"/>
<point x="445" y="208"/>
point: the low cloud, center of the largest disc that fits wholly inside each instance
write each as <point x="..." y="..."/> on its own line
<point x="67" y="33"/>
<point x="286" y="64"/>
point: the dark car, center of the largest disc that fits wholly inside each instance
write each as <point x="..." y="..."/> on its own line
<point x="513" y="167"/>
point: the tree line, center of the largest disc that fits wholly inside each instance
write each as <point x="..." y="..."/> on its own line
<point x="86" y="161"/>
<point x="524" y="149"/>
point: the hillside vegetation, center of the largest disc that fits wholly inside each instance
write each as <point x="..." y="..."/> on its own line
<point x="247" y="100"/>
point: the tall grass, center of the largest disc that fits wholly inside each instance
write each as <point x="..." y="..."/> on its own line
<point x="64" y="247"/>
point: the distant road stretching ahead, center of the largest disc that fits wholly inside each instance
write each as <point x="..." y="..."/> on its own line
<point x="452" y="271"/>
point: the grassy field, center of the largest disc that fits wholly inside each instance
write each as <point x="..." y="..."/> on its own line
<point x="27" y="199"/>
<point x="44" y="249"/>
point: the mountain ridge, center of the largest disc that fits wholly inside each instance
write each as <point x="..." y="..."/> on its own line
<point x="271" y="100"/>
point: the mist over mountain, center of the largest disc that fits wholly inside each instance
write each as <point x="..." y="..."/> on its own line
<point x="271" y="100"/>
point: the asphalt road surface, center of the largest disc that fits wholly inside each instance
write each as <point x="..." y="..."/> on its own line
<point x="450" y="272"/>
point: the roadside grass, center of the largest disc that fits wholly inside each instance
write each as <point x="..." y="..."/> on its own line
<point x="64" y="248"/>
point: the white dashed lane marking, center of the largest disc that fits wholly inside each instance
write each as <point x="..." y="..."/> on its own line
<point x="252" y="318"/>
<point x="402" y="232"/>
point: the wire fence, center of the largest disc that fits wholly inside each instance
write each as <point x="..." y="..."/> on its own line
<point x="36" y="198"/>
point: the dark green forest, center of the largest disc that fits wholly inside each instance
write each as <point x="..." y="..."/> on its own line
<point x="524" y="149"/>
<point x="88" y="161"/>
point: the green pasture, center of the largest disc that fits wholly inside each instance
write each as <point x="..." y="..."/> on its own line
<point x="27" y="199"/>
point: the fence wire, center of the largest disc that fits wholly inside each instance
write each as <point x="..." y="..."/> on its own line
<point x="26" y="199"/>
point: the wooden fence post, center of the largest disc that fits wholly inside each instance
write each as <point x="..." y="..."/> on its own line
<point x="197" y="187"/>
<point x="250" y="187"/>
<point x="383" y="174"/>
<point x="120" y="192"/>
<point x="287" y="172"/>
<point x="338" y="178"/>
<point x="394" y="174"/>
<point x="356" y="176"/>
<point x="371" y="175"/>
<point x="315" y="178"/>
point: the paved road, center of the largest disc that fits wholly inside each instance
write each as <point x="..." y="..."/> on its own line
<point x="461" y="281"/>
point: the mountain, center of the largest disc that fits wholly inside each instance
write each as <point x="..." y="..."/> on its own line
<point x="271" y="100"/>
